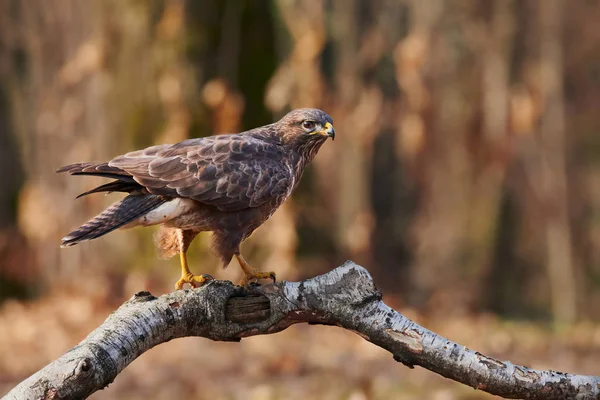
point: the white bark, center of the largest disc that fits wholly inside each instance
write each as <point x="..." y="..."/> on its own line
<point x="346" y="297"/>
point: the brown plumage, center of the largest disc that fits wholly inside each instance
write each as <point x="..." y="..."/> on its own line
<point x="227" y="184"/>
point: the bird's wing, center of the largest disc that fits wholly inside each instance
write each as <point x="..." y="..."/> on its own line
<point x="230" y="172"/>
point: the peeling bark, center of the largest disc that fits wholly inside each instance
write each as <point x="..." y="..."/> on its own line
<point x="345" y="297"/>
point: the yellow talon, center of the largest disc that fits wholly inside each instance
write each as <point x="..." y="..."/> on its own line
<point x="187" y="277"/>
<point x="250" y="273"/>
<point x="194" y="280"/>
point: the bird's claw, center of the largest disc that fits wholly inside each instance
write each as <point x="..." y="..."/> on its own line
<point x="194" y="281"/>
<point x="255" y="276"/>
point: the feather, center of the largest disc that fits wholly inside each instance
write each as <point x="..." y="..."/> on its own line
<point x="115" y="186"/>
<point x="114" y="217"/>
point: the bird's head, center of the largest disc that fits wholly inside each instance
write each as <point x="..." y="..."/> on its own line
<point x="306" y="127"/>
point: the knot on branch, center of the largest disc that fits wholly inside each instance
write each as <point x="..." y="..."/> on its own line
<point x="247" y="309"/>
<point x="142" y="296"/>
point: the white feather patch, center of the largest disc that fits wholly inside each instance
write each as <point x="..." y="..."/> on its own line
<point x="165" y="212"/>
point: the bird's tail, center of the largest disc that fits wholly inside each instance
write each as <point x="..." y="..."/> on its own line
<point x="114" y="217"/>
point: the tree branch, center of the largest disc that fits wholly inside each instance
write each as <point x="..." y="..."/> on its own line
<point x="346" y="297"/>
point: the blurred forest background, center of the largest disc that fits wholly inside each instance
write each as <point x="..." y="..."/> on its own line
<point x="465" y="177"/>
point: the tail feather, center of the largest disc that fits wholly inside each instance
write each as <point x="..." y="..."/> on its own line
<point x="114" y="217"/>
<point x="97" y="169"/>
<point x="115" y="186"/>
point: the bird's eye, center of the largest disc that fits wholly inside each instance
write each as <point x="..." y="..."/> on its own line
<point x="308" y="125"/>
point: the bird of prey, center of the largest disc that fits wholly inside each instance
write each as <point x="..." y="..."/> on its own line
<point x="227" y="184"/>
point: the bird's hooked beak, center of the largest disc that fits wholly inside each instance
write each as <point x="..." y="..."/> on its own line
<point x="328" y="130"/>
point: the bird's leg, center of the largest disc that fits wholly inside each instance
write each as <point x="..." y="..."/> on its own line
<point x="185" y="238"/>
<point x="250" y="273"/>
<point x="187" y="276"/>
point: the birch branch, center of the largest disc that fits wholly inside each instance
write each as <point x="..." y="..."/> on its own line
<point x="345" y="297"/>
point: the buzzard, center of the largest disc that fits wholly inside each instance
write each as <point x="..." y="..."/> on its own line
<point x="227" y="184"/>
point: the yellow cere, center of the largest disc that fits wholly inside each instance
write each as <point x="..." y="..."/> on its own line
<point x="326" y="129"/>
